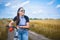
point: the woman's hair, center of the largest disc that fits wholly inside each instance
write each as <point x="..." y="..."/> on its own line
<point x="18" y="20"/>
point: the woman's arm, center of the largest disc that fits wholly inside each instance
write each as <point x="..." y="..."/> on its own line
<point x="11" y="23"/>
<point x="27" y="25"/>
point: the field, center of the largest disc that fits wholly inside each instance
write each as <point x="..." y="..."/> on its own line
<point x="3" y="30"/>
<point x="48" y="28"/>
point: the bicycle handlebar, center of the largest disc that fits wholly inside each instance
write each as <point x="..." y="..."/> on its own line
<point x="11" y="26"/>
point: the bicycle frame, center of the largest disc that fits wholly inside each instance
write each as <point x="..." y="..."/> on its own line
<point x="15" y="32"/>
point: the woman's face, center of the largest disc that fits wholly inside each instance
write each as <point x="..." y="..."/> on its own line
<point x="21" y="12"/>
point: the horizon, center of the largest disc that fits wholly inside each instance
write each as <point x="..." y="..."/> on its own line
<point x="34" y="18"/>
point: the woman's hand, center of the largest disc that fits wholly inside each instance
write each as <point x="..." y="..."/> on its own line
<point x="11" y="23"/>
<point x="19" y="27"/>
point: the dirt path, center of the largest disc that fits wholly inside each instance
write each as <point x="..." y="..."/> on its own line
<point x="32" y="35"/>
<point x="35" y="36"/>
<point x="10" y="35"/>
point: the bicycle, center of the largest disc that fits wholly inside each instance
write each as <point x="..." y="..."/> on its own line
<point x="15" y="29"/>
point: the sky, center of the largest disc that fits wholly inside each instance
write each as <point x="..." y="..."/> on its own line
<point x="33" y="8"/>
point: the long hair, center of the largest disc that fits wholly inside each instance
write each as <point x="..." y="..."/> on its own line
<point x="18" y="20"/>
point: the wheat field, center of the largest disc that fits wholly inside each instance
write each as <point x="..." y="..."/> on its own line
<point x="48" y="28"/>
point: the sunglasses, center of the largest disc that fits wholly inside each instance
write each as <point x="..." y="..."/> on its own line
<point x="22" y="10"/>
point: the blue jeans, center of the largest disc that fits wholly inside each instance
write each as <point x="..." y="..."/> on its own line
<point x="22" y="34"/>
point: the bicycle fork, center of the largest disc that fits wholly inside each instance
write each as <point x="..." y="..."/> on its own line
<point x="16" y="34"/>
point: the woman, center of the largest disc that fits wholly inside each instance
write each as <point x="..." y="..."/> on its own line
<point x="22" y="22"/>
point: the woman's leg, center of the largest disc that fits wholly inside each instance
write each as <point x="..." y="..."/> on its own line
<point x="25" y="35"/>
<point x="19" y="35"/>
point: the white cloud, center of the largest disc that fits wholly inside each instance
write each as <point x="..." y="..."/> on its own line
<point x="24" y="3"/>
<point x="34" y="12"/>
<point x="14" y="6"/>
<point x="20" y="4"/>
<point x="58" y="6"/>
<point x="38" y="11"/>
<point x="8" y="4"/>
<point x="51" y="2"/>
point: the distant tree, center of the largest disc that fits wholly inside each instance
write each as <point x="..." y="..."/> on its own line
<point x="46" y="19"/>
<point x="40" y="19"/>
<point x="31" y="18"/>
<point x="58" y="19"/>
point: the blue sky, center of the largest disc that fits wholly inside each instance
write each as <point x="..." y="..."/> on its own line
<point x="33" y="8"/>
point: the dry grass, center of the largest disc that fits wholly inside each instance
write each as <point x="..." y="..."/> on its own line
<point x="49" y="28"/>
